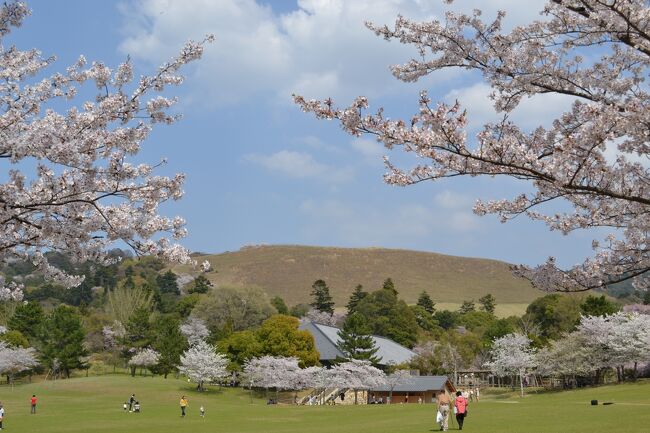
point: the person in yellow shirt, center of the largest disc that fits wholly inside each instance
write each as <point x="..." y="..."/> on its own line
<point x="183" y="405"/>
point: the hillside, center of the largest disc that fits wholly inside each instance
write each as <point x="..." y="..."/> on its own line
<point x="290" y="270"/>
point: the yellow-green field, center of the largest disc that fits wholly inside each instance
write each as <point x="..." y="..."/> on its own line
<point x="94" y="405"/>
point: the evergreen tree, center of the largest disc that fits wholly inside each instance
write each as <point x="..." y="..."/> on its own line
<point x="28" y="319"/>
<point x="646" y="297"/>
<point x="355" y="297"/>
<point x="355" y="339"/>
<point x="322" y="298"/>
<point x="169" y="343"/>
<point x="467" y="307"/>
<point x="279" y="304"/>
<point x="488" y="303"/>
<point x="390" y="317"/>
<point x="63" y="339"/>
<point x="598" y="306"/>
<point x="390" y="286"/>
<point x="425" y="301"/>
<point x="167" y="283"/>
<point x="138" y="329"/>
<point x="200" y="285"/>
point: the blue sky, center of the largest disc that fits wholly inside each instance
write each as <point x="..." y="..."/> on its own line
<point x="261" y="171"/>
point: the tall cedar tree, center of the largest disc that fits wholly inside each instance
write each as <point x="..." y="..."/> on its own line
<point x="170" y="344"/>
<point x="138" y="329"/>
<point x="389" y="285"/>
<point x="322" y="298"/>
<point x="63" y="339"/>
<point x="167" y="283"/>
<point x="356" y="341"/>
<point x="28" y="319"/>
<point x="355" y="297"/>
<point x="279" y="304"/>
<point x="425" y="301"/>
<point x="488" y="303"/>
<point x="389" y="316"/>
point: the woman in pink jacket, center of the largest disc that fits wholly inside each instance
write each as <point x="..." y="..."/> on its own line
<point x="460" y="408"/>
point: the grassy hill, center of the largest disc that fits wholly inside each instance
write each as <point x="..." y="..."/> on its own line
<point x="290" y="270"/>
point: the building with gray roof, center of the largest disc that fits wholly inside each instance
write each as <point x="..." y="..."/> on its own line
<point x="327" y="340"/>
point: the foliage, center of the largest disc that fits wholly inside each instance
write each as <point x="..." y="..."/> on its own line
<point x="241" y="346"/>
<point x="237" y="309"/>
<point x="571" y="160"/>
<point x="425" y="301"/>
<point x="488" y="303"/>
<point x="194" y="331"/>
<point x="389" y="316"/>
<point x="84" y="193"/>
<point x="389" y="285"/>
<point x="15" y="339"/>
<point x="446" y="319"/>
<point x="169" y="343"/>
<point x="166" y="283"/>
<point x="63" y="338"/>
<point x="512" y="354"/>
<point x="424" y="319"/>
<point x="28" y="319"/>
<point x="467" y="307"/>
<point x="16" y="359"/>
<point x="357" y="295"/>
<point x="124" y="301"/>
<point x="555" y="314"/>
<point x="598" y="306"/>
<point x="144" y="358"/>
<point x="299" y="310"/>
<point x="139" y="332"/>
<point x="200" y="285"/>
<point x="322" y="300"/>
<point x="355" y="339"/>
<point x="201" y="363"/>
<point x="279" y="305"/>
<point x="280" y="336"/>
<point x="186" y="304"/>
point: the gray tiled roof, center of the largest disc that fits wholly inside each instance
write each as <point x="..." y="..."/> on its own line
<point x="326" y="339"/>
<point x="418" y="384"/>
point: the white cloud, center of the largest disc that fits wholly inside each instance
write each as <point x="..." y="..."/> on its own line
<point x="371" y="150"/>
<point x="321" y="49"/>
<point x="300" y="165"/>
<point x="531" y="112"/>
<point x="448" y="199"/>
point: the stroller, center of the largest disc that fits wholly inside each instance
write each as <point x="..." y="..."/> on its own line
<point x="136" y="407"/>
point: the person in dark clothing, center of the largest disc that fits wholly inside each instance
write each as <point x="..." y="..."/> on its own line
<point x="131" y="402"/>
<point x="460" y="404"/>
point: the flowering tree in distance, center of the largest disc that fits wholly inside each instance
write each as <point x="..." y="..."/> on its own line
<point x="201" y="363"/>
<point x="144" y="358"/>
<point x="84" y="194"/>
<point x="567" y="161"/>
<point x="512" y="354"/>
<point x="16" y="359"/>
<point x="194" y="330"/>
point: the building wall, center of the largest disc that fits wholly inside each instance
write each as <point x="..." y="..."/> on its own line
<point x="401" y="397"/>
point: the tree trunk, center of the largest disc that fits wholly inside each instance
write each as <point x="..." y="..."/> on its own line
<point x="390" y="396"/>
<point x="521" y="383"/>
<point x="635" y="372"/>
<point x="355" y="396"/>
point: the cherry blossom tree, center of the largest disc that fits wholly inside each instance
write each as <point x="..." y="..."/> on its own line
<point x="396" y="378"/>
<point x="84" y="193"/>
<point x="593" y="157"/>
<point x="201" y="363"/>
<point x="194" y="330"/>
<point x="144" y="358"/>
<point x="568" y="358"/>
<point x="14" y="360"/>
<point x="358" y="375"/>
<point x="512" y="354"/>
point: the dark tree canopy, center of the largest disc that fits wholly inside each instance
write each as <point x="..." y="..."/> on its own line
<point x="356" y="340"/>
<point x="322" y="300"/>
<point x="425" y="301"/>
<point x="357" y="295"/>
<point x="488" y="303"/>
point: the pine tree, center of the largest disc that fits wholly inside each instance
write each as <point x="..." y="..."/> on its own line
<point x="167" y="283"/>
<point x="355" y="340"/>
<point x="389" y="285"/>
<point x="425" y="301"/>
<point x="63" y="339"/>
<point x="279" y="304"/>
<point x="169" y="343"/>
<point x="467" y="307"/>
<point x="322" y="298"/>
<point x="28" y="319"/>
<point x="355" y="297"/>
<point x="488" y="303"/>
<point x="200" y="285"/>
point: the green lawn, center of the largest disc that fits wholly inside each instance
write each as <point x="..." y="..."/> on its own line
<point x="95" y="405"/>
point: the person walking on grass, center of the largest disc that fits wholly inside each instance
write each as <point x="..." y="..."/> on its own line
<point x="2" y="415"/>
<point x="443" y="403"/>
<point x="183" y="405"/>
<point x="131" y="402"/>
<point x="460" y="405"/>
<point x="33" y="403"/>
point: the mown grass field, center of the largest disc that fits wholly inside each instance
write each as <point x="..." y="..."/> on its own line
<point x="290" y="270"/>
<point x="94" y="405"/>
